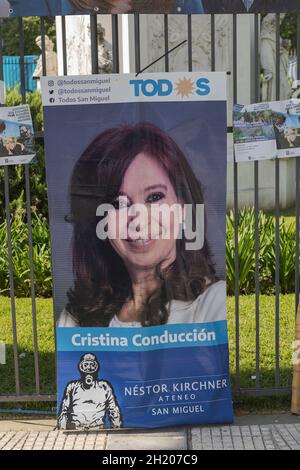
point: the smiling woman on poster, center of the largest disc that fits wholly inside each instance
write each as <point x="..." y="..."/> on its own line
<point x="142" y="279"/>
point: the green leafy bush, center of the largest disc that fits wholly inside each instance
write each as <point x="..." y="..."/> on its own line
<point x="20" y="256"/>
<point x="267" y="253"/>
<point x="10" y="34"/>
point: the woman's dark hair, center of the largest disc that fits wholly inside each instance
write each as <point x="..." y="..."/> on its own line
<point x="101" y="282"/>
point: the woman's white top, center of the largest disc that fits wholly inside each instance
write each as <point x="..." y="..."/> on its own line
<point x="208" y="307"/>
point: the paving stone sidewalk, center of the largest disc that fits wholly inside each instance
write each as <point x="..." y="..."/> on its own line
<point x="272" y="434"/>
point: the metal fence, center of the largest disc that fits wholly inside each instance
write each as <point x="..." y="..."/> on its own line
<point x="40" y="394"/>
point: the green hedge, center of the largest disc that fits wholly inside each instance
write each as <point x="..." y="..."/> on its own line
<point x="20" y="255"/>
<point x="267" y="253"/>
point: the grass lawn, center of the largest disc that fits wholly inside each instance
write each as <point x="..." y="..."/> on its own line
<point x="247" y="343"/>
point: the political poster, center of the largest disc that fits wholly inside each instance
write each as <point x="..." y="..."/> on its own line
<point x="253" y="133"/>
<point x="69" y="7"/>
<point x="17" y="144"/>
<point x="286" y="119"/>
<point x="136" y="176"/>
<point x="265" y="131"/>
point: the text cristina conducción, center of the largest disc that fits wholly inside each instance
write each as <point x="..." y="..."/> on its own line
<point x="196" y="335"/>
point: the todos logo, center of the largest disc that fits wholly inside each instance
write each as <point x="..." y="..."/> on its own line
<point x="184" y="87"/>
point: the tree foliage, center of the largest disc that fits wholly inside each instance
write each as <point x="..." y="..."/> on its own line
<point x="10" y="36"/>
<point x="289" y="29"/>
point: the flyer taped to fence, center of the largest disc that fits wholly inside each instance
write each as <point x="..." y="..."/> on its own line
<point x="17" y="144"/>
<point x="253" y="133"/>
<point x="136" y="174"/>
<point x="70" y="7"/>
<point x="265" y="131"/>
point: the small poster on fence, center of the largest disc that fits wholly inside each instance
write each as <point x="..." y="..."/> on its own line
<point x="286" y="119"/>
<point x="253" y="133"/>
<point x="136" y="175"/>
<point x="17" y="144"/>
<point x="266" y="131"/>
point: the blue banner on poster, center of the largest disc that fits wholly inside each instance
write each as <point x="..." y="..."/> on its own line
<point x="70" y="7"/>
<point x="136" y="174"/>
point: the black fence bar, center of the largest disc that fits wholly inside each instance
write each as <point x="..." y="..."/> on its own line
<point x="64" y="45"/>
<point x="297" y="273"/>
<point x="236" y="219"/>
<point x="256" y="206"/>
<point x="277" y="218"/>
<point x="94" y="44"/>
<point x="297" y="254"/>
<point x="137" y="42"/>
<point x="22" y="62"/>
<point x="29" y="222"/>
<point x="43" y="44"/>
<point x="32" y="281"/>
<point x="190" y="43"/>
<point x="213" y="42"/>
<point x="115" y="43"/>
<point x="166" y="41"/>
<point x="10" y="258"/>
<point x="11" y="282"/>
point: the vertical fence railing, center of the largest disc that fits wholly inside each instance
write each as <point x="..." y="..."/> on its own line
<point x="277" y="215"/>
<point x="297" y="272"/>
<point x="191" y="49"/>
<point x="115" y="44"/>
<point x="29" y="223"/>
<point x="256" y="204"/>
<point x="236" y="217"/>
<point x="10" y="262"/>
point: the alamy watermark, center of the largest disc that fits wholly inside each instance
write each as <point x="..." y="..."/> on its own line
<point x="142" y="222"/>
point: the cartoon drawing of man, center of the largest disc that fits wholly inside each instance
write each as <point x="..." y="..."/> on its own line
<point x="88" y="401"/>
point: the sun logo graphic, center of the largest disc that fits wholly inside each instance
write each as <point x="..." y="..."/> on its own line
<point x="185" y="87"/>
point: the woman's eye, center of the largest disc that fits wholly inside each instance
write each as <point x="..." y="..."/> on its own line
<point x="155" y="197"/>
<point x="121" y="202"/>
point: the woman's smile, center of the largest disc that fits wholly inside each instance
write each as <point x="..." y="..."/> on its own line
<point x="139" y="244"/>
